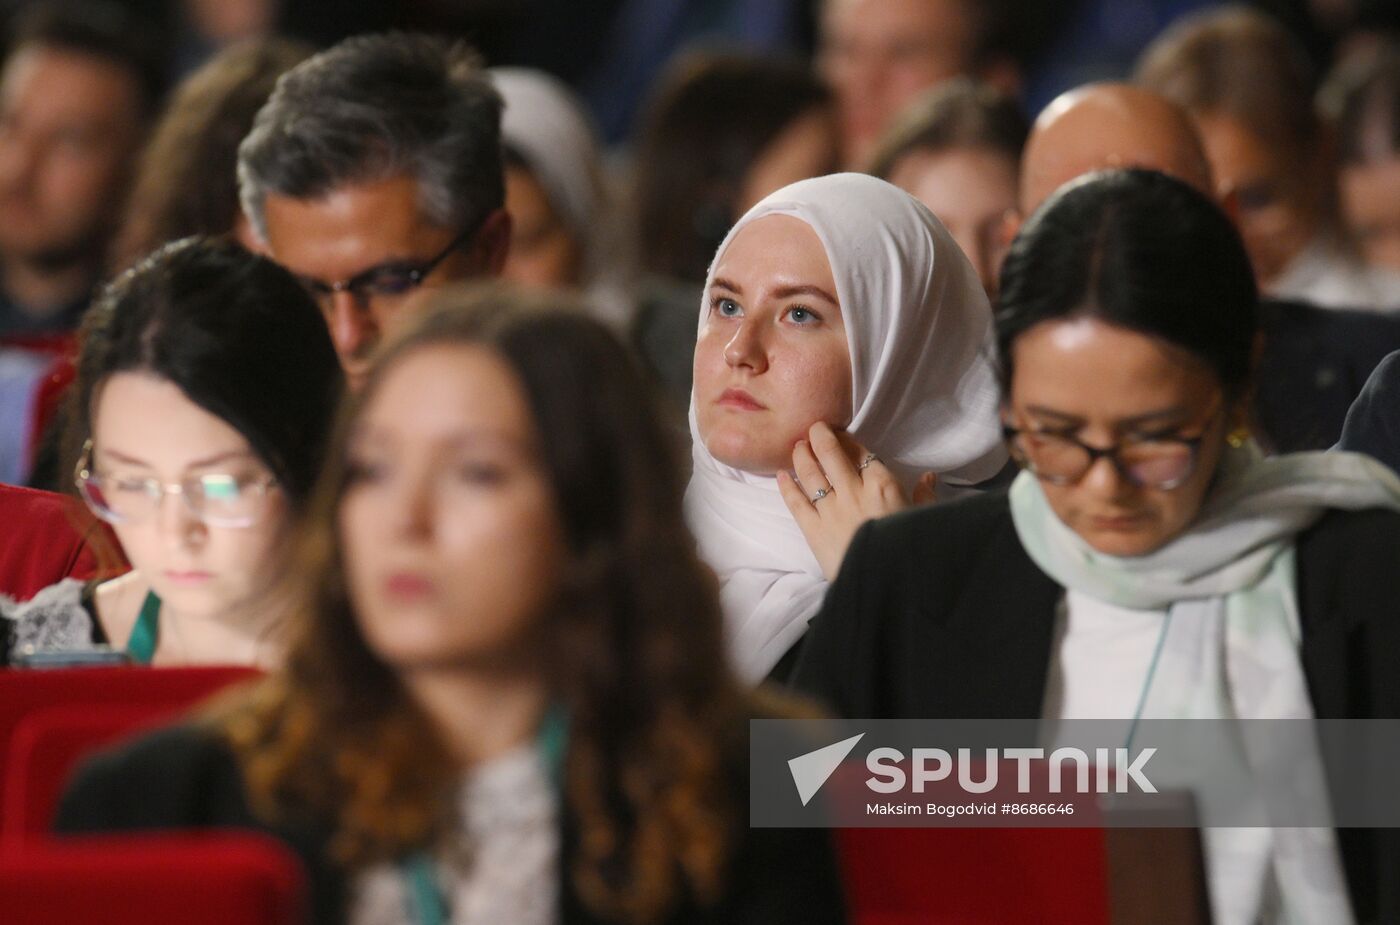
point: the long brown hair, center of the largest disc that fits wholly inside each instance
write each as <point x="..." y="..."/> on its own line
<point x="187" y="181"/>
<point x="656" y="734"/>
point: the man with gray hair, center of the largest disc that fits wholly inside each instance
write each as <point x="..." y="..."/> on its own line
<point x="374" y="172"/>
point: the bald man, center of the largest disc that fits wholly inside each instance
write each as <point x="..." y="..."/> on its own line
<point x="1106" y="125"/>
<point x="1313" y="362"/>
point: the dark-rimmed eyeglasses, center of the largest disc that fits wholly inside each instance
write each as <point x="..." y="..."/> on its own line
<point x="384" y="281"/>
<point x="215" y="498"/>
<point x="1163" y="462"/>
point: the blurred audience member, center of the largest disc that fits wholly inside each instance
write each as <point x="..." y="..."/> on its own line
<point x="205" y="394"/>
<point x="374" y="173"/>
<point x="507" y="699"/>
<point x="1109" y="125"/>
<point x="880" y="55"/>
<point x="187" y="181"/>
<point x="565" y="231"/>
<point x="720" y="133"/>
<point x="958" y="151"/>
<point x="1249" y="88"/>
<point x="1312" y="362"/>
<point x="77" y="92"/>
<point x="1363" y="101"/>
<point x="209" y="26"/>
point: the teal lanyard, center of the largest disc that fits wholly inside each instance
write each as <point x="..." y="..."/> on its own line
<point x="141" y="644"/>
<point x="1147" y="684"/>
<point x="426" y="903"/>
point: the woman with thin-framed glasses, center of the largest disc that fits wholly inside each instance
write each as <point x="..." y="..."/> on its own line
<point x="1147" y="563"/>
<point x="206" y="387"/>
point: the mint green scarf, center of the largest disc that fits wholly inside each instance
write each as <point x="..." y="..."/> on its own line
<point x="1230" y="648"/>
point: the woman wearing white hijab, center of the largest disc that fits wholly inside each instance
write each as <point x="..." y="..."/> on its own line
<point x="838" y="304"/>
<point x="565" y="232"/>
<point x="1148" y="563"/>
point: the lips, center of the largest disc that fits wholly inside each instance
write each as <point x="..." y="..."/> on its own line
<point x="408" y="586"/>
<point x="738" y="398"/>
<point x="1118" y="523"/>
<point x="187" y="577"/>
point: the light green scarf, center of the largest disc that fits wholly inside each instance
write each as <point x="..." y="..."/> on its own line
<point x="1230" y="648"/>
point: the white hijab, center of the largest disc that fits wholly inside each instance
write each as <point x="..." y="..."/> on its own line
<point x="924" y="395"/>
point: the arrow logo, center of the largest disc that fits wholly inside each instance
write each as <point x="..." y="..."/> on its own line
<point x="811" y="770"/>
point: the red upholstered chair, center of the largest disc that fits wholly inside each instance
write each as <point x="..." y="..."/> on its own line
<point x="48" y="537"/>
<point x="975" y="876"/>
<point x="45" y="749"/>
<point x="211" y="879"/>
<point x="49" y="394"/>
<point x="166" y="692"/>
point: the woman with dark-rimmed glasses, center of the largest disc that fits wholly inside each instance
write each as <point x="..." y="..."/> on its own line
<point x="206" y="387"/>
<point x="1147" y="563"/>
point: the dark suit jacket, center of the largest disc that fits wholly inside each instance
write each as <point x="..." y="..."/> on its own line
<point x="185" y="778"/>
<point x="939" y="613"/>
<point x="1314" y="364"/>
<point x="1373" y="423"/>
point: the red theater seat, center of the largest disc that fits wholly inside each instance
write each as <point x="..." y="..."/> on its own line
<point x="47" y="538"/>
<point x="44" y="750"/>
<point x="222" y="879"/>
<point x="167" y="691"/>
<point x="942" y="876"/>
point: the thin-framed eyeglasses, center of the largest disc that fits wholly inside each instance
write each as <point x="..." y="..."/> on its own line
<point x="214" y="498"/>
<point x="385" y="280"/>
<point x="1161" y="462"/>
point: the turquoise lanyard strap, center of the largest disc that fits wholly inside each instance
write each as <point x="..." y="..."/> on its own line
<point x="1147" y="684"/>
<point x="141" y="644"/>
<point x="426" y="903"/>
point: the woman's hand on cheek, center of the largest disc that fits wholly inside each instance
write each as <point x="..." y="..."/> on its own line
<point x="839" y="486"/>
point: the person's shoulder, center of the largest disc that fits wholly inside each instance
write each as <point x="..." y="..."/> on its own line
<point x="175" y="752"/>
<point x="1350" y="556"/>
<point x="969" y="516"/>
<point x="953" y="531"/>
<point x="1371" y="531"/>
<point x="1386" y="375"/>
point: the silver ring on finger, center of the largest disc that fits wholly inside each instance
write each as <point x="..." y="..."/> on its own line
<point x="821" y="493"/>
<point x="869" y="458"/>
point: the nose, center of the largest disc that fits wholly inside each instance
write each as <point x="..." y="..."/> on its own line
<point x="353" y="327"/>
<point x="1103" y="480"/>
<point x="413" y="506"/>
<point x="746" y="349"/>
<point x="179" y="526"/>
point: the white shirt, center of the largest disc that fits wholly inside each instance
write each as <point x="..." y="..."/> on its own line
<point x="509" y="869"/>
<point x="1324" y="275"/>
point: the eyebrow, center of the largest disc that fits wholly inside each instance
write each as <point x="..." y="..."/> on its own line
<point x="1162" y="416"/>
<point x="783" y="292"/>
<point x="457" y="440"/>
<point x="197" y="464"/>
<point x="787" y="292"/>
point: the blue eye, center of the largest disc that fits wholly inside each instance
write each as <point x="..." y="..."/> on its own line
<point x="726" y="308"/>
<point x="800" y="315"/>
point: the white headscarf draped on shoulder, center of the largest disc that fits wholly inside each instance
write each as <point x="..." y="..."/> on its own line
<point x="925" y="397"/>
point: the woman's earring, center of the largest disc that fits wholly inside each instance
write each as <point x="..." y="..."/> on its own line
<point x="1238" y="437"/>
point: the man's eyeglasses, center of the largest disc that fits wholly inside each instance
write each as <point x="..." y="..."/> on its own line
<point x="217" y="499"/>
<point x="1061" y="459"/>
<point x="385" y="281"/>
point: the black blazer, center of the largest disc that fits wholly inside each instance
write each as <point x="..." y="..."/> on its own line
<point x="940" y="613"/>
<point x="186" y="778"/>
